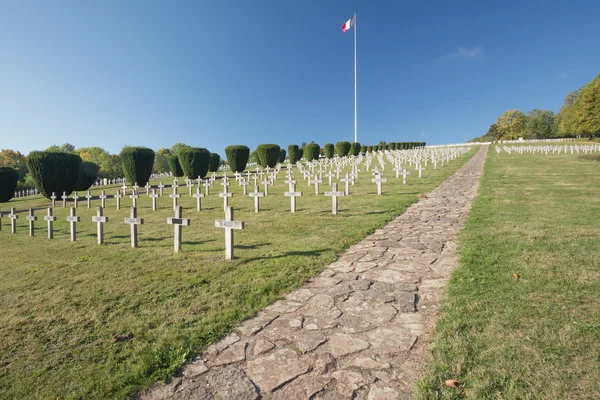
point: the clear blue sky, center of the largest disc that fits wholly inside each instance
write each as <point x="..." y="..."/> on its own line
<point x="216" y="73"/>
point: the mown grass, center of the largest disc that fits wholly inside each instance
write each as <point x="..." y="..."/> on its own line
<point x="521" y="319"/>
<point x="62" y="302"/>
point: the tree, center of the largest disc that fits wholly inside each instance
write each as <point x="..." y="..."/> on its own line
<point x="293" y="150"/>
<point x="178" y="146"/>
<point x="511" y="124"/>
<point x="328" y="150"/>
<point x="88" y="173"/>
<point x="587" y="109"/>
<point x="110" y="164"/>
<point x="567" y="120"/>
<point x="16" y="160"/>
<point x="8" y="183"/>
<point x="214" y="162"/>
<point x="342" y="148"/>
<point x="54" y="172"/>
<point x="311" y="151"/>
<point x="161" y="161"/>
<point x="137" y="163"/>
<point x="539" y="124"/>
<point x="194" y="161"/>
<point x="65" y="148"/>
<point x="175" y="166"/>
<point x="282" y="154"/>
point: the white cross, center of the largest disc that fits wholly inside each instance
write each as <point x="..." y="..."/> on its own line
<point x="379" y="180"/>
<point x="174" y="196"/>
<point x="73" y="220"/>
<point x="178" y="223"/>
<point x="133" y="221"/>
<point x="292" y="194"/>
<point x="334" y="195"/>
<point x="100" y="219"/>
<point x="256" y="194"/>
<point x="229" y="225"/>
<point x="153" y="196"/>
<point x="50" y="218"/>
<point x="198" y="195"/>
<point x="53" y="198"/>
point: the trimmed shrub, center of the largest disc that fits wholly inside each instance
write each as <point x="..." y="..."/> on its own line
<point x="8" y="183"/>
<point x="194" y="162"/>
<point x="392" y="146"/>
<point x="363" y="148"/>
<point x="137" y="163"/>
<point x="311" y="151"/>
<point x="293" y="153"/>
<point x="214" y="162"/>
<point x="175" y="166"/>
<point x="369" y="149"/>
<point x="237" y="157"/>
<point x="328" y="150"/>
<point x="354" y="149"/>
<point x="88" y="173"/>
<point x="268" y="155"/>
<point x="282" y="155"/>
<point x="342" y="148"/>
<point x="54" y="171"/>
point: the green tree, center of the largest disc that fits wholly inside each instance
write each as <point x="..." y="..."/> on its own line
<point x="177" y="148"/>
<point x="539" y="124"/>
<point x="587" y="109"/>
<point x="567" y="119"/>
<point x="161" y="161"/>
<point x="511" y="124"/>
<point x="65" y="148"/>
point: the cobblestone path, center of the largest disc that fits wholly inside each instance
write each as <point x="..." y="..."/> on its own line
<point x="361" y="329"/>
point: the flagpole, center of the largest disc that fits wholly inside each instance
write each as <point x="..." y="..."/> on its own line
<point x="355" y="120"/>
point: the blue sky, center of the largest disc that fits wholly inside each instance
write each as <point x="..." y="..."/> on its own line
<point x="217" y="73"/>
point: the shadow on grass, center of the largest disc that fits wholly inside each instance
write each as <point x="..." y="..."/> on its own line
<point x="310" y="253"/>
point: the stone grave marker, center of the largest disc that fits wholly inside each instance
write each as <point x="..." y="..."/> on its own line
<point x="50" y="219"/>
<point x="13" y="220"/>
<point x="64" y="198"/>
<point x="73" y="219"/>
<point x="118" y="198"/>
<point x="31" y="218"/>
<point x="347" y="181"/>
<point x="256" y="194"/>
<point x="103" y="199"/>
<point x="161" y="186"/>
<point x="404" y="174"/>
<point x="174" y="195"/>
<point x="75" y="198"/>
<point x="379" y="180"/>
<point x="420" y="169"/>
<point x="229" y="224"/>
<point x="153" y="196"/>
<point x="53" y="198"/>
<point x="198" y="195"/>
<point x="225" y="195"/>
<point x="292" y="194"/>
<point x="134" y="196"/>
<point x="133" y="221"/>
<point x="88" y="197"/>
<point x="100" y="220"/>
<point x="178" y="223"/>
<point x="334" y="195"/>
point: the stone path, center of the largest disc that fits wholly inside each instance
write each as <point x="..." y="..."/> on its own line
<point x="361" y="329"/>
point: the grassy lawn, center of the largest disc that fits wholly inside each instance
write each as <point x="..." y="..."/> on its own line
<point x="62" y="302"/>
<point x="522" y="315"/>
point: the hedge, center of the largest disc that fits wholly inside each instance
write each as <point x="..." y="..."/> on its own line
<point x="175" y="166"/>
<point x="237" y="157"/>
<point x="328" y="149"/>
<point x="8" y="183"/>
<point x="54" y="171"/>
<point x="88" y="173"/>
<point x="311" y="151"/>
<point x="194" y="161"/>
<point x="268" y="155"/>
<point x="137" y="163"/>
<point x="363" y="148"/>
<point x="282" y="155"/>
<point x="342" y="149"/>
<point x="214" y="162"/>
<point x="293" y="153"/>
<point x="354" y="149"/>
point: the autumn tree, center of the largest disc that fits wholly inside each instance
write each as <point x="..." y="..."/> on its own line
<point x="539" y="124"/>
<point x="15" y="160"/>
<point x="587" y="109"/>
<point x="161" y="161"/>
<point x="567" y="120"/>
<point x="511" y="124"/>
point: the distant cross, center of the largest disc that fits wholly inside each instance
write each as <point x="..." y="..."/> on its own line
<point x="379" y="180"/>
<point x="292" y="194"/>
<point x="198" y="195"/>
<point x="100" y="219"/>
<point x="229" y="225"/>
<point x="161" y="186"/>
<point x="225" y="195"/>
<point x="256" y="194"/>
<point x="31" y="218"/>
<point x="190" y="186"/>
<point x="175" y="185"/>
<point x="135" y="187"/>
<point x="404" y="174"/>
<point x="329" y="175"/>
<point x="13" y="220"/>
<point x="178" y="223"/>
<point x="53" y="198"/>
<point x="118" y="197"/>
<point x="266" y="183"/>
<point x="244" y="184"/>
<point x="50" y="218"/>
<point x="419" y="168"/>
<point x="73" y="219"/>
<point x="207" y="187"/>
<point x="153" y="196"/>
<point x="103" y="199"/>
<point x="124" y="187"/>
<point x="346" y="180"/>
<point x="334" y="194"/>
<point x="134" y="196"/>
<point x="133" y="221"/>
<point x="75" y="198"/>
<point x="175" y="196"/>
<point x="88" y="197"/>
<point x="148" y="187"/>
<point x="316" y="181"/>
<point x="64" y="198"/>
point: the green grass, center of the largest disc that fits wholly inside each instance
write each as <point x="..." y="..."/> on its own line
<point x="62" y="302"/>
<point x="536" y="336"/>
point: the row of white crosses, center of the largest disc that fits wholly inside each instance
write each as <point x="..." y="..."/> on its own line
<point x="24" y="193"/>
<point x="229" y="224"/>
<point x="550" y="149"/>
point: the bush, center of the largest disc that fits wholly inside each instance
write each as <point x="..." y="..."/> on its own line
<point x="342" y="148"/>
<point x="194" y="161"/>
<point x="392" y="145"/>
<point x="175" y="166"/>
<point x="214" y="162"/>
<point x="282" y="155"/>
<point x="293" y="153"/>
<point x="8" y="183"/>
<point x="54" y="171"/>
<point x="88" y="173"/>
<point x="363" y="148"/>
<point x="137" y="163"/>
<point x="311" y="151"/>
<point x="268" y="155"/>
<point x="354" y="149"/>
<point x="328" y="150"/>
<point x="237" y="157"/>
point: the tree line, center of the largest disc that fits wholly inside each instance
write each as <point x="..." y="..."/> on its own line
<point x="578" y="117"/>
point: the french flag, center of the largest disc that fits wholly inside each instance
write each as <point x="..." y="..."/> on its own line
<point x="348" y="24"/>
